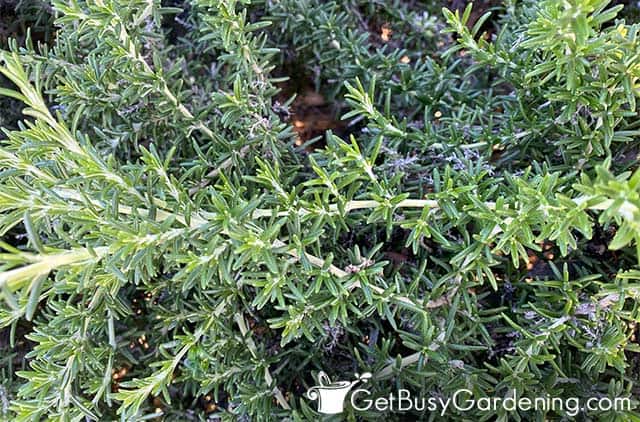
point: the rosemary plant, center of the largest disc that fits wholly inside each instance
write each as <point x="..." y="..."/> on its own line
<point x="171" y="251"/>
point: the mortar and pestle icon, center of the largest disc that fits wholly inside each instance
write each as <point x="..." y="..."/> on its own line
<point x="331" y="395"/>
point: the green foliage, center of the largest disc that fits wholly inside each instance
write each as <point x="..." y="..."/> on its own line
<point x="584" y="74"/>
<point x="169" y="251"/>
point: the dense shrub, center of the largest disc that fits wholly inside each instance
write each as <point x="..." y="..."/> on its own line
<point x="175" y="246"/>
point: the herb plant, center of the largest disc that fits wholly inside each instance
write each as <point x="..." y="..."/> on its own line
<point x="172" y="249"/>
